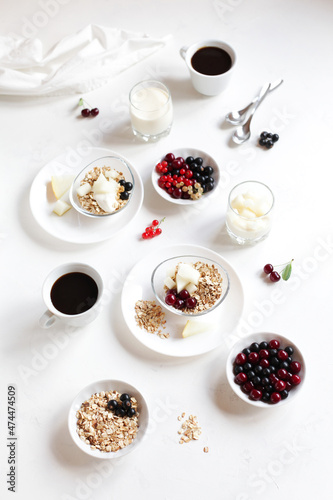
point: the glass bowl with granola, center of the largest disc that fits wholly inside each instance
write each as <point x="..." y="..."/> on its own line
<point x="104" y="187"/>
<point x="190" y="285"/>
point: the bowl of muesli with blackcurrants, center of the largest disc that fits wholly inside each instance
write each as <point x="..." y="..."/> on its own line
<point x="103" y="188"/>
<point x="265" y="369"/>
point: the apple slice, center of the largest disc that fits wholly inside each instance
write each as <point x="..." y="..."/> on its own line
<point x="193" y="327"/>
<point x="60" y="184"/>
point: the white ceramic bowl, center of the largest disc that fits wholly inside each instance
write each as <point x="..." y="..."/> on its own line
<point x="160" y="273"/>
<point x="116" y="162"/>
<point x="184" y="153"/>
<point x="260" y="337"/>
<point x="108" y="385"/>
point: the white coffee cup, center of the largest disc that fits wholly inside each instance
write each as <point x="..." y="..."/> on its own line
<point x="208" y="84"/>
<point x="52" y="314"/>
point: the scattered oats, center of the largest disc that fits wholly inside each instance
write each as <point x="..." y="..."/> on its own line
<point x="190" y="429"/>
<point x="150" y="317"/>
<point x="206" y="449"/>
<point x="101" y="428"/>
<point x="179" y="418"/>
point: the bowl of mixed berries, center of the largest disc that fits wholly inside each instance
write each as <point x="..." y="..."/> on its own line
<point x="265" y="369"/>
<point x="190" y="285"/>
<point x="185" y="176"/>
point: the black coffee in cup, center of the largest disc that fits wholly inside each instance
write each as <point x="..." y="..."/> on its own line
<point x="211" y="61"/>
<point x="74" y="293"/>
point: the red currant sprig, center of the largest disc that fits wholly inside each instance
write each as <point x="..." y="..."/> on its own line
<point x="274" y="276"/>
<point x="153" y="230"/>
<point x="86" y="111"/>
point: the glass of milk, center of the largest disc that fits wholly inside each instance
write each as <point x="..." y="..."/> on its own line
<point x="151" y="110"/>
<point x="249" y="212"/>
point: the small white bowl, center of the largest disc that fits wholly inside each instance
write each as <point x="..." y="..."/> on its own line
<point x="184" y="153"/>
<point x="108" y="385"/>
<point x="116" y="162"/>
<point x="260" y="337"/>
<point x="160" y="273"/>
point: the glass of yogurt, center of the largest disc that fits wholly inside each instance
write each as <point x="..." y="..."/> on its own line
<point x="151" y="110"/>
<point x="249" y="212"/>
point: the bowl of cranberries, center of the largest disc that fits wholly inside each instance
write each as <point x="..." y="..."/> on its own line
<point x="190" y="285"/>
<point x="185" y="176"/>
<point x="265" y="369"/>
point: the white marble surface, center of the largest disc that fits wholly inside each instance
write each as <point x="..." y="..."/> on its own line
<point x="253" y="454"/>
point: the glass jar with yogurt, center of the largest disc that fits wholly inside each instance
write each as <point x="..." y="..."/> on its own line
<point x="249" y="212"/>
<point x="151" y="110"/>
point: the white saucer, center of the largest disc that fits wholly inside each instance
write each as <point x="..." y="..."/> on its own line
<point x="73" y="226"/>
<point x="184" y="153"/>
<point x="137" y="286"/>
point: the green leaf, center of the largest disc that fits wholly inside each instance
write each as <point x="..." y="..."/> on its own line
<point x="286" y="272"/>
<point x="81" y="102"/>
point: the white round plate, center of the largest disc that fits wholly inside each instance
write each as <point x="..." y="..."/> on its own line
<point x="137" y="286"/>
<point x="184" y="153"/>
<point x="74" y="227"/>
<point x="108" y="385"/>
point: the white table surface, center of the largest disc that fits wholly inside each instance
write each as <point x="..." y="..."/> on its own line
<point x="253" y="454"/>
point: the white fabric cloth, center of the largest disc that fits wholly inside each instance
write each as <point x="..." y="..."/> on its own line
<point x="77" y="64"/>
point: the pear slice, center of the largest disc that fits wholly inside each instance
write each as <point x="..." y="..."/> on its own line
<point x="61" y="207"/>
<point x="193" y="327"/>
<point x="103" y="186"/>
<point x="181" y="282"/>
<point x="188" y="273"/>
<point x="84" y="189"/>
<point x="169" y="283"/>
<point x="60" y="184"/>
<point x="113" y="174"/>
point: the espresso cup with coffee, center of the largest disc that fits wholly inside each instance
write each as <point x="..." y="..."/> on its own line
<point x="72" y="293"/>
<point x="211" y="64"/>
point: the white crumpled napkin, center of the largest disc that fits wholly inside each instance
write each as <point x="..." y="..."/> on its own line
<point x="77" y="64"/>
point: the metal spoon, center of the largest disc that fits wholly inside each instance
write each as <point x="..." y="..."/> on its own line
<point x="243" y="133"/>
<point x="236" y="117"/>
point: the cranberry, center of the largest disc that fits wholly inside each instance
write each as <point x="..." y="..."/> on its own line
<point x="295" y="379"/>
<point x="248" y="386"/>
<point x="255" y="394"/>
<point x="191" y="302"/>
<point x="184" y="294"/>
<point x="170" y="299"/>
<point x="263" y="353"/>
<point x="169" y="157"/>
<point x="280" y="385"/>
<point x="275" y="397"/>
<point x="240" y="359"/>
<point x="179" y="304"/>
<point x="295" y="367"/>
<point x="274" y="344"/>
<point x="241" y="378"/>
<point x="282" y="355"/>
<point x="254" y="357"/>
<point x="282" y="374"/>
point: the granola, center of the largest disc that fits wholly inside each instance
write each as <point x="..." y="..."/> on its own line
<point x="101" y="428"/>
<point x="88" y="201"/>
<point x="150" y="317"/>
<point x="208" y="290"/>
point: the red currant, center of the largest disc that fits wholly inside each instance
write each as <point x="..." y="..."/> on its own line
<point x="158" y="231"/>
<point x="145" y="236"/>
<point x="155" y="222"/>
